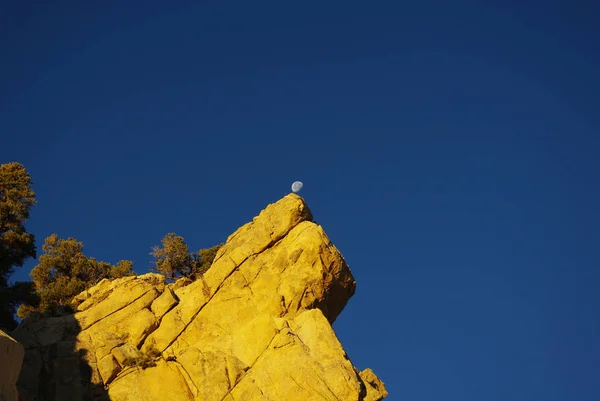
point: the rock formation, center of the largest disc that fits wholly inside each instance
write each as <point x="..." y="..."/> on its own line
<point x="257" y="326"/>
<point x="11" y="357"/>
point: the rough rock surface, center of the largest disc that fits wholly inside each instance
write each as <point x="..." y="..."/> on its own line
<point x="257" y="326"/>
<point x="11" y="358"/>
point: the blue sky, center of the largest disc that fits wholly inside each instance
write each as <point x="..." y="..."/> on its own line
<point x="449" y="149"/>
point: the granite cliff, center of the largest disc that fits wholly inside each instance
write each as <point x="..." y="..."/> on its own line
<point x="257" y="326"/>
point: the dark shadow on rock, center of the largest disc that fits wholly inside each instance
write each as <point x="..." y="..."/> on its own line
<point x="57" y="364"/>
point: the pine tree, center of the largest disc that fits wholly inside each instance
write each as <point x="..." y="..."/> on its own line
<point x="16" y="244"/>
<point x="173" y="259"/>
<point x="64" y="271"/>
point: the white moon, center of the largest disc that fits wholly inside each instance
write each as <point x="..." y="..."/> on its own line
<point x="297" y="186"/>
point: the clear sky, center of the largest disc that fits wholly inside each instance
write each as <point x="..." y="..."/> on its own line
<point x="449" y="150"/>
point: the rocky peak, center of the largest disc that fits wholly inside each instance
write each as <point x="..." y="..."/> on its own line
<point x="256" y="326"/>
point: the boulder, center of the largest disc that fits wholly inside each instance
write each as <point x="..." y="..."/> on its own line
<point x="256" y="326"/>
<point x="11" y="359"/>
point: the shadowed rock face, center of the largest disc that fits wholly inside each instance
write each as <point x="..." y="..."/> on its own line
<point x="11" y="357"/>
<point x="257" y="326"/>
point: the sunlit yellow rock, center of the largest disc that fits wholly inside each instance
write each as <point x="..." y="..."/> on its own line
<point x="256" y="326"/>
<point x="164" y="382"/>
<point x="375" y="387"/>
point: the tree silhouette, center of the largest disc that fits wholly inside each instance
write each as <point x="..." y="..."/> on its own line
<point x="16" y="244"/>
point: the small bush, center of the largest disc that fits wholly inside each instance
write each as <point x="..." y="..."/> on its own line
<point x="153" y="353"/>
<point x="144" y="360"/>
<point x="129" y="361"/>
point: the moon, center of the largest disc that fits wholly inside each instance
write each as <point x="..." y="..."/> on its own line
<point x="297" y="186"/>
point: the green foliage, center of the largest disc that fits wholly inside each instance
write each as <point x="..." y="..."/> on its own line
<point x="64" y="271"/>
<point x="16" y="200"/>
<point x="205" y="259"/>
<point x="145" y="359"/>
<point x="25" y="310"/>
<point x="16" y="244"/>
<point x="153" y="352"/>
<point x="19" y="293"/>
<point x="173" y="259"/>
